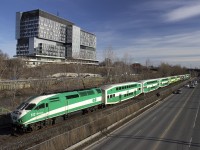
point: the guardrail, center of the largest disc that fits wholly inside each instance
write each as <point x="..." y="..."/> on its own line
<point x="21" y="84"/>
<point x="27" y="83"/>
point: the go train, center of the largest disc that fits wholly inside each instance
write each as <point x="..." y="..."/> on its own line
<point x="43" y="110"/>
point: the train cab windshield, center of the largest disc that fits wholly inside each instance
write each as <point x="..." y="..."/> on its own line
<point x="30" y="106"/>
<point x="26" y="106"/>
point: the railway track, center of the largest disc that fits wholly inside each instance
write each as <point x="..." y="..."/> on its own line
<point x="5" y="126"/>
<point x="26" y="140"/>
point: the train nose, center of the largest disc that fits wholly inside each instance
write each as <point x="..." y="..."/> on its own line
<point x="15" y="115"/>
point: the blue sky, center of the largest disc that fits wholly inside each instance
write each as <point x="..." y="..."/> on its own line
<point x="137" y="30"/>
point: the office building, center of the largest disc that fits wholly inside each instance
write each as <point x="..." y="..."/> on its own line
<point x="45" y="38"/>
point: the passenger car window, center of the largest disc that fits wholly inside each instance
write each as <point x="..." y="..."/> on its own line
<point x="83" y="93"/>
<point x="98" y="90"/>
<point x="72" y="96"/>
<point x="90" y="92"/>
<point x="41" y="106"/>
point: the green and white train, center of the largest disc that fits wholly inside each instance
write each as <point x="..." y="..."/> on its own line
<point x="150" y="85"/>
<point x="38" y="111"/>
<point x="164" y="82"/>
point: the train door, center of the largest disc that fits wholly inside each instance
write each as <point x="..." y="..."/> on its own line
<point x="51" y="106"/>
<point x="120" y="97"/>
<point x="135" y="92"/>
<point x="40" y="112"/>
<point x="46" y="110"/>
<point x="66" y="107"/>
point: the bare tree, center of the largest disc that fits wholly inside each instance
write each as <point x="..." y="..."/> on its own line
<point x="15" y="68"/>
<point x="117" y="71"/>
<point x="177" y="69"/>
<point x="169" y="70"/>
<point x="148" y="63"/>
<point x="127" y="66"/>
<point x="79" y="69"/>
<point x="108" y="62"/>
<point x="164" y="69"/>
<point x="146" y="72"/>
<point x="3" y="63"/>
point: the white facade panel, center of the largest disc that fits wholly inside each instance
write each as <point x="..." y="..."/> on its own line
<point x="51" y="30"/>
<point x="75" y="42"/>
<point x="88" y="39"/>
<point x="18" y="18"/>
<point x="34" y="47"/>
<point x="31" y="45"/>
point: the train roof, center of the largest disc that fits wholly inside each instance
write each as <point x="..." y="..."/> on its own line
<point x="142" y="81"/>
<point x="64" y="91"/>
<point x="163" y="78"/>
<point x="118" y="84"/>
<point x="38" y="99"/>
